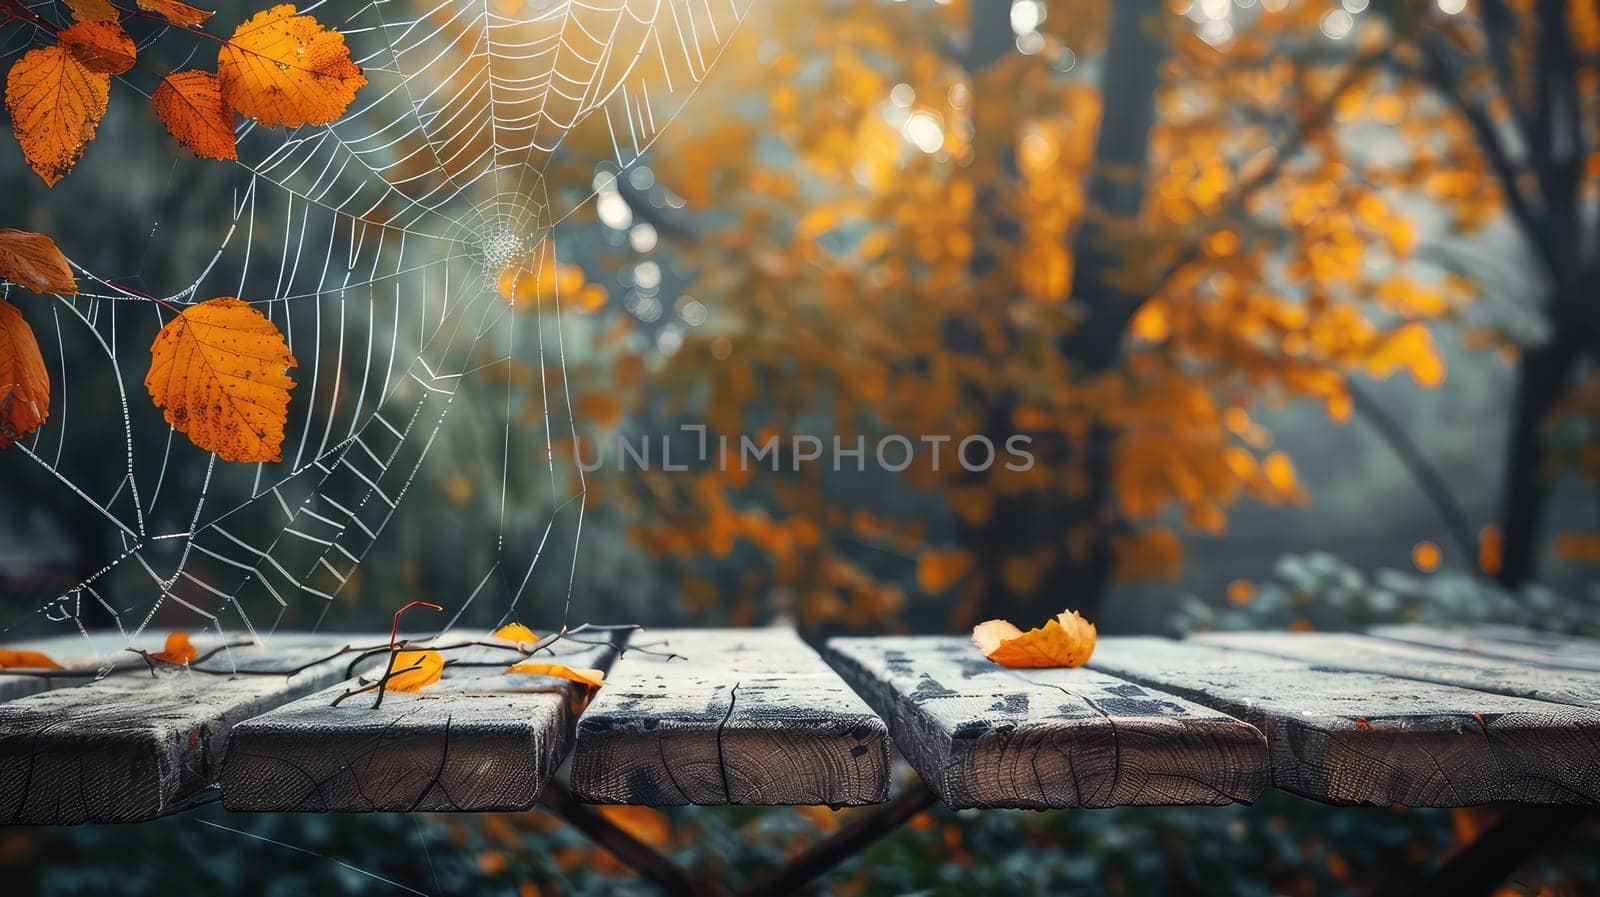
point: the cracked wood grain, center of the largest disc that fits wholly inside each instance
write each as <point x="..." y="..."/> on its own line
<point x="131" y="747"/>
<point x="981" y="735"/>
<point x="1348" y="737"/>
<point x="477" y="740"/>
<point x="747" y="716"/>
<point x="1365" y="654"/>
<point x="1508" y="642"/>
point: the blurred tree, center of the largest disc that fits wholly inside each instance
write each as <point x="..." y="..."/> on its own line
<point x="1524" y="79"/>
<point x="926" y="226"/>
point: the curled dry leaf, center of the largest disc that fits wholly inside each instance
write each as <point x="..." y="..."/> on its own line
<point x="190" y="104"/>
<point x="34" y="261"/>
<point x="181" y="14"/>
<point x="178" y="648"/>
<point x="24" y="382"/>
<point x="1066" y="641"/>
<point x="100" y="46"/>
<point x="218" y="370"/>
<point x="516" y="632"/>
<point x="14" y="659"/>
<point x="414" y="670"/>
<point x="56" y="102"/>
<point x="284" y="69"/>
<point x="584" y="675"/>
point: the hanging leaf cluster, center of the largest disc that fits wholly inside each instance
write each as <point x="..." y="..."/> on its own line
<point x="219" y="368"/>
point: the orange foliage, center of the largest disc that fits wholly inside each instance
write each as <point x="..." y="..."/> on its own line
<point x="25" y="395"/>
<point x="218" y="370"/>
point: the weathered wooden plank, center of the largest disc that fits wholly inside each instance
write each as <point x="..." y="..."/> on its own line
<point x="981" y="735"/>
<point x="1511" y="642"/>
<point x="131" y="746"/>
<point x="747" y="716"/>
<point x="77" y="653"/>
<point x="103" y="650"/>
<point x="1348" y="737"/>
<point x="1365" y="654"/>
<point x="477" y="740"/>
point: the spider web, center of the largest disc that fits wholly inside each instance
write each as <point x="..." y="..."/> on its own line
<point x="375" y="244"/>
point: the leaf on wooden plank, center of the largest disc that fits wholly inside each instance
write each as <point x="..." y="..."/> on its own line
<point x="515" y="632"/>
<point x="15" y="659"/>
<point x="590" y="677"/>
<point x="24" y="383"/>
<point x="100" y="46"/>
<point x="190" y="104"/>
<point x="34" y="261"/>
<point x="1065" y="641"/>
<point x="181" y="14"/>
<point x="92" y="10"/>
<point x="285" y="69"/>
<point x="218" y="370"/>
<point x="178" y="648"/>
<point x="414" y="670"/>
<point x="55" y="103"/>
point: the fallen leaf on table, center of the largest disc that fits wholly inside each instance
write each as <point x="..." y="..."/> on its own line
<point x="178" y="650"/>
<point x="15" y="658"/>
<point x="583" y="675"/>
<point x="415" y="670"/>
<point x="1065" y="641"/>
<point x="515" y="632"/>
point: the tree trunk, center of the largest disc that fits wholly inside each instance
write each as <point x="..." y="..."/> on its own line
<point x="1073" y="531"/>
<point x="1543" y="376"/>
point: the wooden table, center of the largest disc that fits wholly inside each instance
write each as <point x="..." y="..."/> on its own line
<point x="1413" y="716"/>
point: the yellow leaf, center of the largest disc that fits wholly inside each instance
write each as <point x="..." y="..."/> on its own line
<point x="181" y="14"/>
<point x="1065" y="641"/>
<point x="55" y="103"/>
<point x="190" y="104"/>
<point x="24" y="382"/>
<point x="284" y="69"/>
<point x="34" y="261"/>
<point x="100" y="46"/>
<point x="414" y="670"/>
<point x="583" y="675"/>
<point x="516" y="632"/>
<point x="218" y="369"/>
<point x="15" y="658"/>
<point x="178" y="648"/>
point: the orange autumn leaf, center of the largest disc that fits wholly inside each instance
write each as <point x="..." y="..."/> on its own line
<point x="16" y="658"/>
<point x="181" y="14"/>
<point x="414" y="670"/>
<point x="190" y="104"/>
<point x="34" y="261"/>
<point x="515" y="632"/>
<point x="1065" y="641"/>
<point x="92" y="10"/>
<point x="100" y="46"/>
<point x="178" y="648"/>
<point x="583" y="675"/>
<point x="55" y="103"/>
<point x="219" y="371"/>
<point x="283" y="69"/>
<point x="24" y="382"/>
